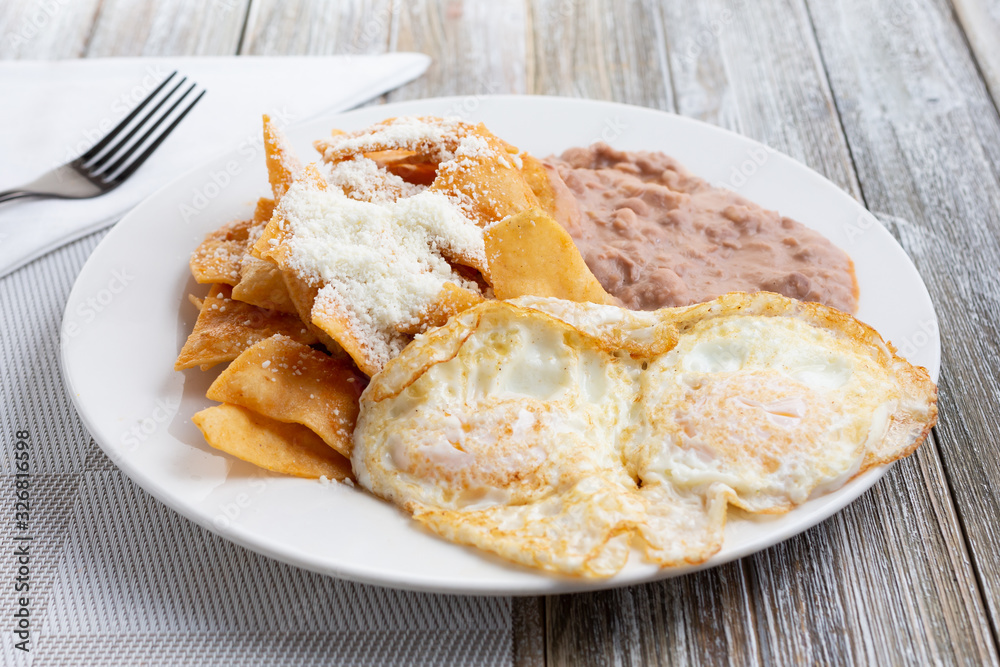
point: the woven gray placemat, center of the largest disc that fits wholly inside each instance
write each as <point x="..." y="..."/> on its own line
<point x="117" y="578"/>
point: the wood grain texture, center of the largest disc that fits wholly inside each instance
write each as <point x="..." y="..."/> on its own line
<point x="891" y="566"/>
<point x="779" y="96"/>
<point x="304" y="27"/>
<point x="699" y="74"/>
<point x="980" y="19"/>
<point x="46" y="30"/>
<point x="700" y="619"/>
<point x="600" y="49"/>
<point x="477" y="46"/>
<point x="926" y="140"/>
<point x="528" y="632"/>
<point x="179" y="27"/>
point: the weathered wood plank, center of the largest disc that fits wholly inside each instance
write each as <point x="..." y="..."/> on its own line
<point x="699" y="77"/>
<point x="600" y="49"/>
<point x="477" y="46"/>
<point x="893" y="565"/>
<point x="980" y="19"/>
<point x="305" y="27"/>
<point x="925" y="136"/>
<point x="528" y="632"/>
<point x="45" y="30"/>
<point x="701" y="619"/>
<point x="778" y="96"/>
<point x="180" y="27"/>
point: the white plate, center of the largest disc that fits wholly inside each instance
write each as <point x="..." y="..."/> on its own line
<point x="128" y="315"/>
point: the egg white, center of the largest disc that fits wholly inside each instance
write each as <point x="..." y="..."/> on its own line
<point x="557" y="434"/>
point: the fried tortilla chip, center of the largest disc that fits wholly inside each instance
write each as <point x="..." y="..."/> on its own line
<point x="291" y="382"/>
<point x="531" y="254"/>
<point x="412" y="167"/>
<point x="226" y="327"/>
<point x="640" y="333"/>
<point x="418" y="173"/>
<point x="473" y="165"/>
<point x="217" y="259"/>
<point x="282" y="165"/>
<point x="260" y="282"/>
<point x="286" y="448"/>
<point x="261" y="285"/>
<point x="489" y="180"/>
<point x="271" y="244"/>
<point x="303" y="295"/>
<point x="336" y="325"/>
<point x="319" y="303"/>
<point x="263" y="211"/>
<point x="450" y="301"/>
<point x="537" y="179"/>
<point x="379" y="139"/>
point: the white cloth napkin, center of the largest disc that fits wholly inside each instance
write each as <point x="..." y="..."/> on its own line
<point x="53" y="111"/>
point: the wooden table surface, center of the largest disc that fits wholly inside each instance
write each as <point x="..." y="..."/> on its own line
<point x="895" y="101"/>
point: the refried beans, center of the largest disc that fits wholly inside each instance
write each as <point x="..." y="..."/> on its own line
<point x="656" y="236"/>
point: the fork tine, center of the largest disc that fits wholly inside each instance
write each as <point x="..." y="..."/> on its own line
<point x="98" y="165"/>
<point x="96" y="148"/>
<point x="123" y="158"/>
<point x="152" y="147"/>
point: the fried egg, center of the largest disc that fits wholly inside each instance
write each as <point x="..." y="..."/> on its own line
<point x="508" y="440"/>
<point x="560" y="435"/>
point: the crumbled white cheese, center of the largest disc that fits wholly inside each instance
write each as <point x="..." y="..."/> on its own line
<point x="406" y="132"/>
<point x="362" y="179"/>
<point x="381" y="262"/>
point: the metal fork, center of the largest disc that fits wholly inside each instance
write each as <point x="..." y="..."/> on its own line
<point x="102" y="169"/>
